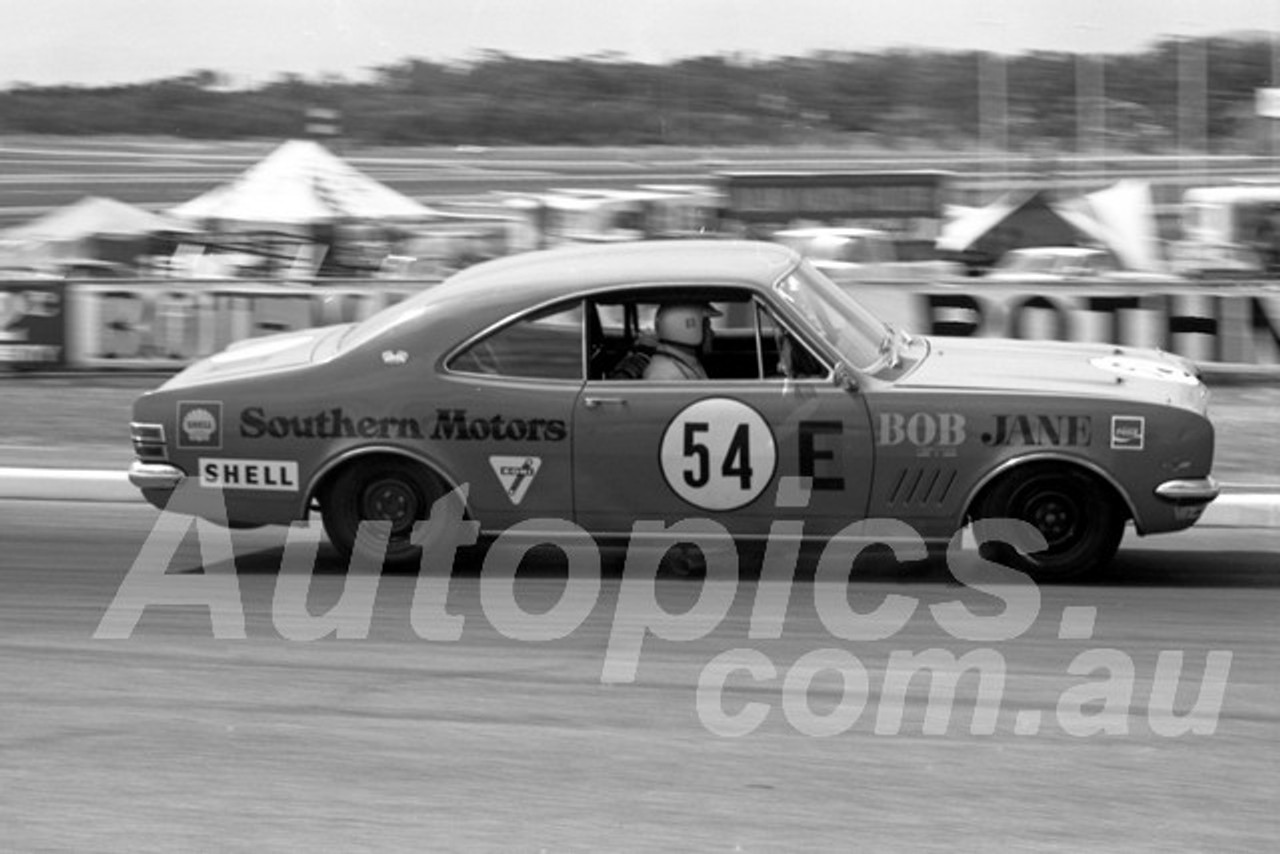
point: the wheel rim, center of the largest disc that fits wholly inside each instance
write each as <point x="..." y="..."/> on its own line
<point x="1056" y="509"/>
<point x="393" y="500"/>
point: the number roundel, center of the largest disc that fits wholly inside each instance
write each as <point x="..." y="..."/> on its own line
<point x="718" y="454"/>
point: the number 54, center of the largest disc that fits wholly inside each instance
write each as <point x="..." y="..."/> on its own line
<point x="735" y="460"/>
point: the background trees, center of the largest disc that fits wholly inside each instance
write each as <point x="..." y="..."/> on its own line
<point x="892" y="97"/>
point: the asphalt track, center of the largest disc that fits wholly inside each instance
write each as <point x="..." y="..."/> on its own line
<point x="132" y="724"/>
<point x="394" y="739"/>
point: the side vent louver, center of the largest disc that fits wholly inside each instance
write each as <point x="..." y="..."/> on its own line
<point x="922" y="486"/>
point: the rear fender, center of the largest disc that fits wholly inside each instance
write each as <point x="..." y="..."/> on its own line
<point x="320" y="479"/>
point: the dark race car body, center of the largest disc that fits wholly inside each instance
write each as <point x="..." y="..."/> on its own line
<point x="500" y="380"/>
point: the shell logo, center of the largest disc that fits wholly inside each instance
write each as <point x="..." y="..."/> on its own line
<point x="200" y="424"/>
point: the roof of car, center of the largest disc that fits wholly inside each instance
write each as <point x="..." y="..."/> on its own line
<point x="489" y="292"/>
<point x="549" y="273"/>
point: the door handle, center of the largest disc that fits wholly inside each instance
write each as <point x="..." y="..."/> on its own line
<point x="597" y="402"/>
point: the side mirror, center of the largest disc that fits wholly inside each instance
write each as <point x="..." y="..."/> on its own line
<point x="843" y="378"/>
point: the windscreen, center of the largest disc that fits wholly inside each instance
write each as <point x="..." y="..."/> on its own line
<point x="864" y="340"/>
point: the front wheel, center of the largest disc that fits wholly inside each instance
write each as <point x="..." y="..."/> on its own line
<point x="1080" y="518"/>
<point x="398" y="494"/>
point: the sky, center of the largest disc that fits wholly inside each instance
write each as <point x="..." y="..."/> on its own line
<point x="104" y="42"/>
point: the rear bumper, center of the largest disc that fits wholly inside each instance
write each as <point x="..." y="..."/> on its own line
<point x="167" y="487"/>
<point x="155" y="476"/>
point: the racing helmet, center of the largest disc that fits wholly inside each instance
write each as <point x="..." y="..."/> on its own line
<point x="682" y="323"/>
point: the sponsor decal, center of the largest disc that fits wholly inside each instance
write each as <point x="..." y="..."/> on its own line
<point x="333" y="423"/>
<point x="516" y="474"/>
<point x="200" y="424"/>
<point x="269" y="475"/>
<point x="457" y="424"/>
<point x="1075" y="431"/>
<point x="718" y="454"/>
<point x="1128" y="432"/>
<point x="448" y="424"/>
<point x="395" y="358"/>
<point x="930" y="433"/>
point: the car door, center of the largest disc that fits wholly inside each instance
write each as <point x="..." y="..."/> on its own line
<point x="743" y="448"/>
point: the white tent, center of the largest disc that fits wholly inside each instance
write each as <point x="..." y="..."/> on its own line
<point x="1119" y="218"/>
<point x="1127" y="211"/>
<point x="92" y="216"/>
<point x="965" y="224"/>
<point x="302" y="183"/>
<point x="78" y="231"/>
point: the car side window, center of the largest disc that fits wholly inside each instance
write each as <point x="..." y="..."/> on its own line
<point x="745" y="340"/>
<point x="784" y="355"/>
<point x="544" y="345"/>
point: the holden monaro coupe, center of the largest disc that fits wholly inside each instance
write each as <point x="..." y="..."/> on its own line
<point x="531" y="381"/>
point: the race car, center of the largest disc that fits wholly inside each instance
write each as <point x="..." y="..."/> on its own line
<point x="521" y="384"/>
<point x="1070" y="264"/>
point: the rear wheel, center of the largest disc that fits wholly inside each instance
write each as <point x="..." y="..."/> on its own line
<point x="395" y="492"/>
<point x="1080" y="518"/>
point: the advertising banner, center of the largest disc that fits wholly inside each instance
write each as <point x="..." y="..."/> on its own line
<point x="1211" y="325"/>
<point x="32" y="323"/>
<point x="166" y="325"/>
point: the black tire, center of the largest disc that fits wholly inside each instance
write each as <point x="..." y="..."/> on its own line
<point x="683" y="561"/>
<point x="399" y="492"/>
<point x="1079" y="516"/>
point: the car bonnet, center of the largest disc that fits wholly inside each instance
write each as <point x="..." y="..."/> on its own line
<point x="1053" y="367"/>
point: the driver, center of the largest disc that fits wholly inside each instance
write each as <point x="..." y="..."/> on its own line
<point x="683" y="331"/>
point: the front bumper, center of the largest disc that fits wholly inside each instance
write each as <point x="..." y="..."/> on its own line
<point x="1199" y="490"/>
<point x="155" y="476"/>
<point x="1189" y="497"/>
